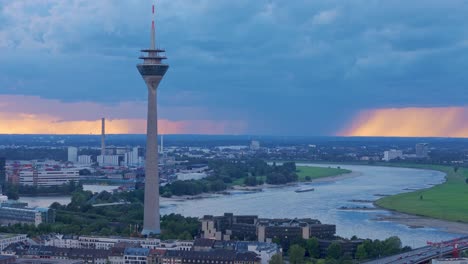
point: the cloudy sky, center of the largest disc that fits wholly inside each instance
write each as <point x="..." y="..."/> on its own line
<point x="270" y="67"/>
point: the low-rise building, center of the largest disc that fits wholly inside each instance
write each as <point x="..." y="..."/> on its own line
<point x="8" y="239"/>
<point x="24" y="215"/>
<point x="392" y="154"/>
<point x="47" y="178"/>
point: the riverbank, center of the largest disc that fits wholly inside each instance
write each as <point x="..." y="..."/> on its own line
<point x="446" y="201"/>
<point x="414" y="221"/>
<point x="308" y="173"/>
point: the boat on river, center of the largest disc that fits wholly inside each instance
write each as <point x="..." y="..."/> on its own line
<point x="307" y="189"/>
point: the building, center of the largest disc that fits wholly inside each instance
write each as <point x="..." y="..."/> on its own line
<point x="62" y="255"/>
<point x="254" y="145"/>
<point x="2" y="173"/>
<point x="73" y="154"/>
<point x="422" y="150"/>
<point x="25" y="215"/>
<point x="250" y="227"/>
<point x="7" y="259"/>
<point x="47" y="178"/>
<point x="152" y="70"/>
<point x="8" y="239"/>
<point x="85" y="159"/>
<point x="107" y="243"/>
<point x="265" y="251"/>
<point x="136" y="255"/>
<point x="134" y="157"/>
<point x="109" y="160"/>
<point x="220" y="256"/>
<point x="392" y="154"/>
<point x="46" y="261"/>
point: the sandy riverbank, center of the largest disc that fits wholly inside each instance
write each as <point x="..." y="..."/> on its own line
<point x="414" y="221"/>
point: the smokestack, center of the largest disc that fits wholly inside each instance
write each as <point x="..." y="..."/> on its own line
<point x="103" y="137"/>
<point x="162" y="144"/>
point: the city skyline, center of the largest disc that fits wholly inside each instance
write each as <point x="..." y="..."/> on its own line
<point x="387" y="63"/>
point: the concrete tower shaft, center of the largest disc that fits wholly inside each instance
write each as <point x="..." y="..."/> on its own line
<point x="152" y="70"/>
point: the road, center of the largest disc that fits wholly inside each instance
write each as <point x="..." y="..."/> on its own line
<point x="423" y="254"/>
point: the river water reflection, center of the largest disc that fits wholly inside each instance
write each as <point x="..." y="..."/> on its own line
<point x="323" y="203"/>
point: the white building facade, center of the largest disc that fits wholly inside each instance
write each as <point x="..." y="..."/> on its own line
<point x="47" y="178"/>
<point x="392" y="154"/>
<point x="73" y="154"/>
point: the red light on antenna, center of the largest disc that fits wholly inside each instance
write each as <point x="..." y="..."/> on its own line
<point x="152" y="23"/>
<point x="153" y="9"/>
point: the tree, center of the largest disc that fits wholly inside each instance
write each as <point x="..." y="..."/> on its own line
<point x="391" y="245"/>
<point x="312" y="246"/>
<point x="361" y="253"/>
<point x="296" y="254"/>
<point x="276" y="259"/>
<point x="334" y="250"/>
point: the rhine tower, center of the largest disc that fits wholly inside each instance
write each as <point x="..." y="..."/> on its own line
<point x="152" y="70"/>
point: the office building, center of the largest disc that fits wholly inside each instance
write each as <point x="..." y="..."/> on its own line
<point x="392" y="154"/>
<point x="24" y="215"/>
<point x="152" y="69"/>
<point x="47" y="178"/>
<point x="250" y="227"/>
<point x="73" y="154"/>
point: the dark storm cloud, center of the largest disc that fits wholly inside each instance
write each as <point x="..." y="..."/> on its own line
<point x="286" y="67"/>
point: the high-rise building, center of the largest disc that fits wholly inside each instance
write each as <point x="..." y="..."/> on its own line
<point x="72" y="154"/>
<point x="255" y="145"/>
<point x="152" y="69"/>
<point x="134" y="157"/>
<point x="422" y="150"/>
<point x="85" y="159"/>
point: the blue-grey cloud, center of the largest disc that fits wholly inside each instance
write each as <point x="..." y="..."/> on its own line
<point x="286" y="67"/>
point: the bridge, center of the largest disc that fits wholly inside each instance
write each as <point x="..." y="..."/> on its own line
<point x="425" y="254"/>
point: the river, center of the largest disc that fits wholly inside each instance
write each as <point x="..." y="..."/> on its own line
<point x="322" y="204"/>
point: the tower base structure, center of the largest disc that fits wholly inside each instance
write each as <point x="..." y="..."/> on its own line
<point x="149" y="232"/>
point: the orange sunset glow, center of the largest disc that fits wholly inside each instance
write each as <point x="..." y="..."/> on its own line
<point x="410" y="122"/>
<point x="13" y="123"/>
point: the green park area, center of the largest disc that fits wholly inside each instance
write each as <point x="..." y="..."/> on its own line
<point x="307" y="173"/>
<point x="448" y="201"/>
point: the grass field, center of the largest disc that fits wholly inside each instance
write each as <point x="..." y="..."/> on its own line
<point x="241" y="181"/>
<point x="318" y="172"/>
<point x="448" y="201"/>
